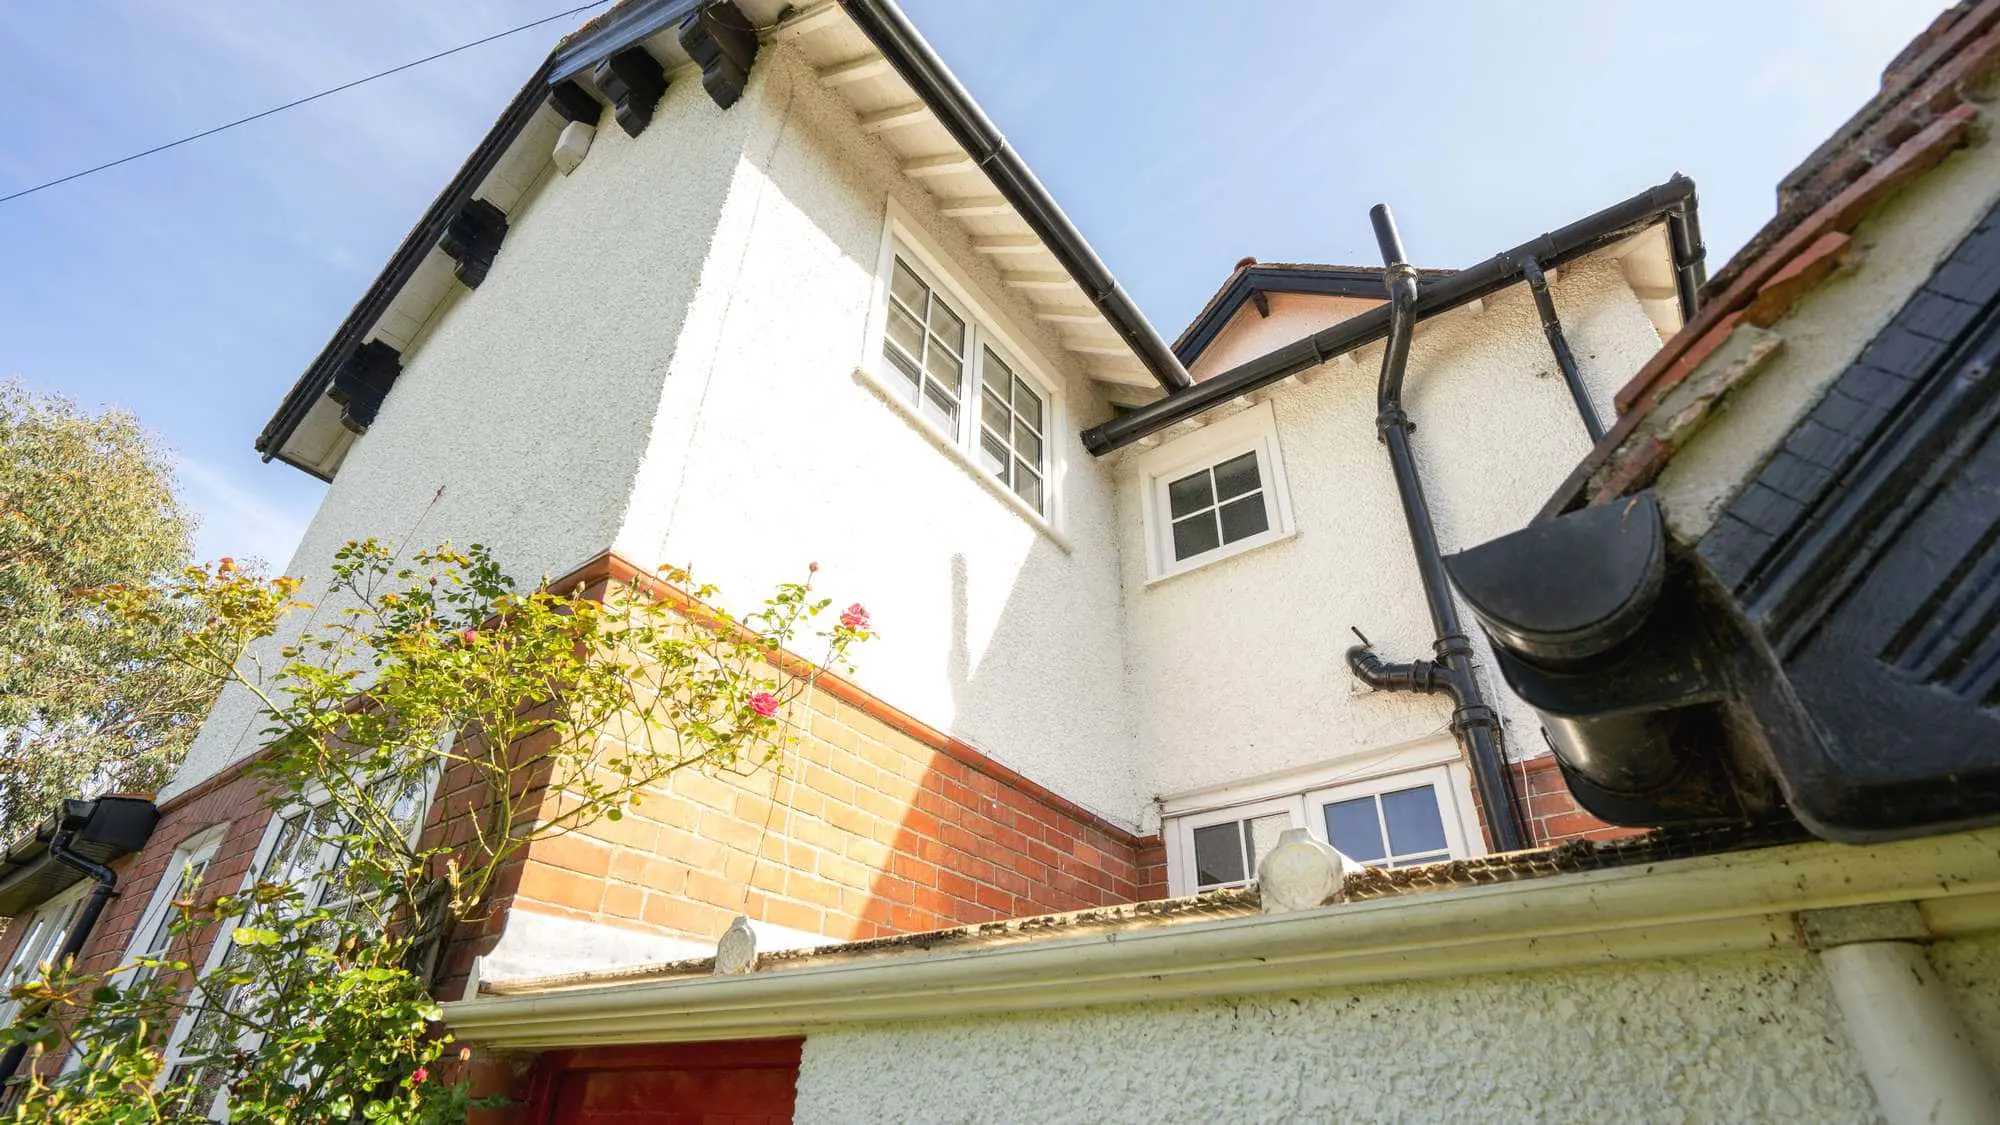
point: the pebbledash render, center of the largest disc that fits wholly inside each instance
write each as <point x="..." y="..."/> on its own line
<point x="752" y="285"/>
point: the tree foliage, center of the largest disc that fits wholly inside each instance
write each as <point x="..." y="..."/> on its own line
<point x="530" y="714"/>
<point x="85" y="502"/>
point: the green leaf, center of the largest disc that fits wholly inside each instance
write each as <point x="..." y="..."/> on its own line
<point x="253" y="936"/>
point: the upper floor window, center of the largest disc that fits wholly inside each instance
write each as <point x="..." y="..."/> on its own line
<point x="1394" y="820"/>
<point x="1215" y="493"/>
<point x="955" y="368"/>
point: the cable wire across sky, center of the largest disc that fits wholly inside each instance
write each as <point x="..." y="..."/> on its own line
<point x="260" y="115"/>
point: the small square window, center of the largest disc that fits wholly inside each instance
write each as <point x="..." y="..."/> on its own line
<point x="1217" y="506"/>
<point x="1218" y="492"/>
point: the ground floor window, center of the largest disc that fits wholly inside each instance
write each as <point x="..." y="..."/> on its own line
<point x="41" y="942"/>
<point x="1392" y="819"/>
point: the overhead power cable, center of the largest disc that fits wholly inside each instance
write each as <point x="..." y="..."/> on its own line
<point x="301" y="101"/>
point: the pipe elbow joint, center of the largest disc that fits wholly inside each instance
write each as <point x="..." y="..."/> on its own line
<point x="1421" y="676"/>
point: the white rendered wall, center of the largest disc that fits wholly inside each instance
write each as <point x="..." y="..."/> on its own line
<point x="1752" y="1037"/>
<point x="991" y="628"/>
<point x="530" y="401"/>
<point x="1238" y="665"/>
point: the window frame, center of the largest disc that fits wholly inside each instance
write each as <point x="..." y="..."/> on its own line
<point x="1437" y="777"/>
<point x="68" y="904"/>
<point x="1254" y="430"/>
<point x="306" y="806"/>
<point x="201" y="848"/>
<point x="1303" y="793"/>
<point x="1180" y="845"/>
<point x="986" y="327"/>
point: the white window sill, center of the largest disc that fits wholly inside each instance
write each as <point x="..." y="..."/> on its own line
<point x="947" y="445"/>
<point x="1223" y="554"/>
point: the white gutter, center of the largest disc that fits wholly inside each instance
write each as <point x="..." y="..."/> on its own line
<point x="1713" y="904"/>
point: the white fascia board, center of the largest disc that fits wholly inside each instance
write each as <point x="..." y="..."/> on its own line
<point x="1677" y="908"/>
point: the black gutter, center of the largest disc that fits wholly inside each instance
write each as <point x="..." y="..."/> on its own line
<point x="1552" y="327"/>
<point x="623" y="27"/>
<point x="912" y="58"/>
<point x="1591" y="233"/>
<point x="79" y="933"/>
<point x="1475" y="724"/>
<point x="1317" y="281"/>
<point x="613" y="31"/>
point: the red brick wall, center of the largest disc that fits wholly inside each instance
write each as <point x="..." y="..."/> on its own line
<point x="878" y="825"/>
<point x="1553" y="815"/>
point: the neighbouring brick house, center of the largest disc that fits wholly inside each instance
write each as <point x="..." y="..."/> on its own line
<point x="803" y="302"/>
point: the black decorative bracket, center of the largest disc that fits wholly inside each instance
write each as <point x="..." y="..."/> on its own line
<point x="363" y="382"/>
<point x="634" y="82"/>
<point x="723" y="42"/>
<point x="472" y="238"/>
<point x="574" y="103"/>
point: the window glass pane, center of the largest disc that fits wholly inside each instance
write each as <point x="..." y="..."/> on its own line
<point x="998" y="375"/>
<point x="939" y="405"/>
<point x="1260" y="835"/>
<point x="1352" y="828"/>
<point x="993" y="411"/>
<point x="993" y="454"/>
<point x="946" y="326"/>
<point x="1236" y="476"/>
<point x="1243" y="518"/>
<point x="905" y="332"/>
<point x="1415" y="822"/>
<point x="1027" y="444"/>
<point x="903" y="364"/>
<point x="1218" y="854"/>
<point x="1028" y="405"/>
<point x="945" y="368"/>
<point x="907" y="288"/>
<point x="283" y="847"/>
<point x="1190" y="494"/>
<point x="1028" y="485"/>
<point x="1194" y="535"/>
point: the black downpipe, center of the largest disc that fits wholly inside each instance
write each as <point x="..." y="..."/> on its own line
<point x="1473" y="722"/>
<point x="1690" y="257"/>
<point x="107" y="883"/>
<point x="1552" y="327"/>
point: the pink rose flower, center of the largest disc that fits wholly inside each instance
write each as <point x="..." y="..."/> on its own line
<point x="854" y="617"/>
<point x="764" y="703"/>
<point x="467" y="636"/>
<point x="419" y="1076"/>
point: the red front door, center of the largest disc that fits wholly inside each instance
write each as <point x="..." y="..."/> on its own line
<point x="747" y="1083"/>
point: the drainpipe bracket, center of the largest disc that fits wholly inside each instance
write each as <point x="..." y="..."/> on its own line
<point x="1392" y="417"/>
<point x="1466" y="716"/>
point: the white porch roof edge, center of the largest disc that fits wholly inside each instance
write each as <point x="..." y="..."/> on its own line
<point x="1734" y="902"/>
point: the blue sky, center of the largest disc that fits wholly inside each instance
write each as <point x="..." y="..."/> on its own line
<point x="193" y="287"/>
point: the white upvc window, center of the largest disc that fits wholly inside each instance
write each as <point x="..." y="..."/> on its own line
<point x="182" y="876"/>
<point x="300" y="848"/>
<point x="41" y="941"/>
<point x="1215" y="493"/>
<point x="1398" y="819"/>
<point x="950" y="363"/>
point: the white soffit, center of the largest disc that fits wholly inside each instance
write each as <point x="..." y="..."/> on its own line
<point x="888" y="110"/>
